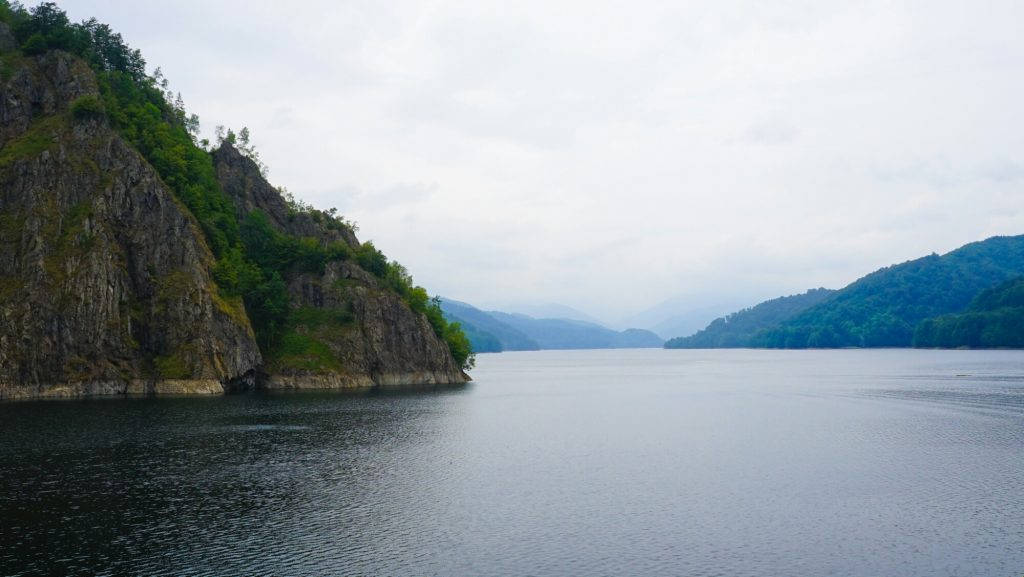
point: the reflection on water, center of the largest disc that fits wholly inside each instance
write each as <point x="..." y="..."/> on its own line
<point x="552" y="463"/>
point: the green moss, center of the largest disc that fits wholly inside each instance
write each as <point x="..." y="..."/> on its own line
<point x="67" y="235"/>
<point x="77" y="369"/>
<point x="10" y="62"/>
<point x="9" y="286"/>
<point x="40" y="136"/>
<point x="173" y="284"/>
<point x="300" y="351"/>
<point x="171" y="367"/>
<point x="233" y="307"/>
<point x="12" y="227"/>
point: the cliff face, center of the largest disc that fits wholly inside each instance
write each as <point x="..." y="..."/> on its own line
<point x="365" y="334"/>
<point x="104" y="282"/>
<point x="105" y="277"/>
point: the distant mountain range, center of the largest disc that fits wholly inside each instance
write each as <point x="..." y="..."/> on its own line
<point x="494" y="331"/>
<point x="888" y="307"/>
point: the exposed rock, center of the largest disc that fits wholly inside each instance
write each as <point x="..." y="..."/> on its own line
<point x="373" y="336"/>
<point x="371" y="333"/>
<point x="104" y="282"/>
<point x="241" y="179"/>
<point x="45" y="85"/>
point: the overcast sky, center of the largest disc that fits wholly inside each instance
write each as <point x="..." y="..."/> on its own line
<point x="611" y="155"/>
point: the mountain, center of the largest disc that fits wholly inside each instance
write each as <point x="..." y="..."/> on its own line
<point x="739" y="328"/>
<point x="486" y="333"/>
<point x="884" y="308"/>
<point x="519" y="332"/>
<point x="552" y="311"/>
<point x="134" y="260"/>
<point x="569" y="334"/>
<point x="681" y="315"/>
<point x="994" y="319"/>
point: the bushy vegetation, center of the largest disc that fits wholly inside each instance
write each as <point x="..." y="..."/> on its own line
<point x="88" y="107"/>
<point x="995" y="319"/>
<point x="884" y="308"/>
<point x="738" y="329"/>
<point x="252" y="259"/>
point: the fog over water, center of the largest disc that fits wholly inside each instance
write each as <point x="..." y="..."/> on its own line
<point x="612" y="155"/>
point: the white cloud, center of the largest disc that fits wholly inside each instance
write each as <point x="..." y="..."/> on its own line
<point x="611" y="155"/>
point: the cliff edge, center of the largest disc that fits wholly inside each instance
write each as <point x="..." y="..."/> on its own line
<point x="118" y="275"/>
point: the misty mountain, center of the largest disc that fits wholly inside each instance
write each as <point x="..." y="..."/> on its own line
<point x="519" y="332"/>
<point x="570" y="334"/>
<point x="486" y="334"/>
<point x="681" y="315"/>
<point x="553" y="311"/>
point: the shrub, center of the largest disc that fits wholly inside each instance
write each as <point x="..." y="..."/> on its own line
<point x="87" y="107"/>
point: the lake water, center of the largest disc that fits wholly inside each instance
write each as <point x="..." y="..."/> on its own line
<point x="630" y="462"/>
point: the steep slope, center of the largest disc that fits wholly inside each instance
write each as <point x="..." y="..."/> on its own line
<point x="739" y="328"/>
<point x="104" y="276"/>
<point x="132" y="260"/>
<point x="884" y="307"/>
<point x="345" y="328"/>
<point x="568" y="334"/>
<point x="486" y="329"/>
<point x="994" y="319"/>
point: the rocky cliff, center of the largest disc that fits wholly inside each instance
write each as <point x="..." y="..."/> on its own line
<point x="106" y="277"/>
<point x="357" y="333"/>
<point x="104" y="282"/>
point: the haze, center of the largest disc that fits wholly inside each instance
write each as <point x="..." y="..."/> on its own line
<point x="611" y="156"/>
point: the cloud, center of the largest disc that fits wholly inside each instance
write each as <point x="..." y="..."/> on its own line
<point x="613" y="155"/>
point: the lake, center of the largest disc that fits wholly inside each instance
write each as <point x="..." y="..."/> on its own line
<point x="614" y="462"/>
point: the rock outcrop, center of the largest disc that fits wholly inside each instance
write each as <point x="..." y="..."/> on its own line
<point x="104" y="276"/>
<point x="369" y="335"/>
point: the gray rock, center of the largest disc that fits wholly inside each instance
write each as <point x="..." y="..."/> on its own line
<point x="240" y="178"/>
<point x="105" y="283"/>
<point x="373" y="336"/>
<point x="104" y="276"/>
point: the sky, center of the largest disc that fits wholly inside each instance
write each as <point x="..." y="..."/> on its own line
<point x="612" y="156"/>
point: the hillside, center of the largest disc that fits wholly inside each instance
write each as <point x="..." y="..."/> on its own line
<point x="739" y="328"/>
<point x="884" y="308"/>
<point x="486" y="333"/>
<point x="994" y="319"/>
<point x="137" y="259"/>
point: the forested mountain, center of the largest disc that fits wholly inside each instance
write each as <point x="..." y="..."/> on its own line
<point x="994" y="319"/>
<point x="890" y="307"/>
<point x="884" y="308"/>
<point x="486" y="333"/>
<point x="739" y="328"/>
<point x="137" y="258"/>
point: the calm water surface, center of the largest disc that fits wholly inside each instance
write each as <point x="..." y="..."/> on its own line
<point x="637" y="462"/>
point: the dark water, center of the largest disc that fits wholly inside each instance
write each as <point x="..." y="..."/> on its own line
<point x="553" y="463"/>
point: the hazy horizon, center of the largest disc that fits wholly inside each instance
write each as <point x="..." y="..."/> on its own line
<point x="614" y="156"/>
